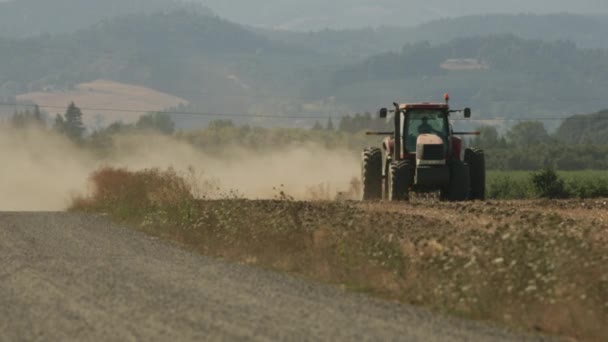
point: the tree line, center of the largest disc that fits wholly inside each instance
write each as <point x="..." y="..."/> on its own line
<point x="71" y="124"/>
<point x="578" y="144"/>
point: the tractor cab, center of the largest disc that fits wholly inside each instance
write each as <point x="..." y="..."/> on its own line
<point x="418" y="121"/>
<point x="416" y="125"/>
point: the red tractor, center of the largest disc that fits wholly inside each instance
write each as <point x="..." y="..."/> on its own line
<point x="423" y="154"/>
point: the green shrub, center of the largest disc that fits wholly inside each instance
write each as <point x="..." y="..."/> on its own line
<point x="548" y="184"/>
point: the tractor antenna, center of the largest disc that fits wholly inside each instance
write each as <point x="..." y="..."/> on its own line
<point x="446" y="97"/>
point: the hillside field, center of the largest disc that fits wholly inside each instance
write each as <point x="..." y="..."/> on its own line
<point x="108" y="100"/>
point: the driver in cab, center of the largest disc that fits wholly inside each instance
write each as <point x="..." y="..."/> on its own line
<point x="425" y="127"/>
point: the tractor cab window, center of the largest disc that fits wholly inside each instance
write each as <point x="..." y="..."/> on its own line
<point x="424" y="122"/>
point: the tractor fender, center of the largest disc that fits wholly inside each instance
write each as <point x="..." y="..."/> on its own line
<point x="389" y="145"/>
<point x="456" y="151"/>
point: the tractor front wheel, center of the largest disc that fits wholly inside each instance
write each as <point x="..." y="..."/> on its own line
<point x="399" y="181"/>
<point x="371" y="174"/>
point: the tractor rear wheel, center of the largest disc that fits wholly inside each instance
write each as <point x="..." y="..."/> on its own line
<point x="459" y="187"/>
<point x="399" y="181"/>
<point x="477" y="164"/>
<point x="385" y="178"/>
<point x="371" y="174"/>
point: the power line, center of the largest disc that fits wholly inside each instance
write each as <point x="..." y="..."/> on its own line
<point x="292" y="117"/>
<point x="141" y="111"/>
<point x="530" y="119"/>
<point x="206" y="94"/>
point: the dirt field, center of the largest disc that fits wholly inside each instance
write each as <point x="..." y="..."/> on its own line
<point x="534" y="265"/>
<point x="531" y="265"/>
<point x="78" y="277"/>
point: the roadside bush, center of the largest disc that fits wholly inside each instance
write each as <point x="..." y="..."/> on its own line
<point x="548" y="184"/>
<point x="129" y="194"/>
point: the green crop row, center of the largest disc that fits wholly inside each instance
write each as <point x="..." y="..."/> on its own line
<point x="520" y="185"/>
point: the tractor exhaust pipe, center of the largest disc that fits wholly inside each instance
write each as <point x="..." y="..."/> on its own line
<point x="398" y="142"/>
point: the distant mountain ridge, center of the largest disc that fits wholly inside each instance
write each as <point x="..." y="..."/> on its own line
<point x="519" y="78"/>
<point x="20" y="18"/>
<point x="585" y="30"/>
<point x="221" y="66"/>
<point x="352" y="14"/>
<point x="23" y="18"/>
<point x="207" y="60"/>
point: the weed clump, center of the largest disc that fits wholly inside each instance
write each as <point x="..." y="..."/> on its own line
<point x="127" y="194"/>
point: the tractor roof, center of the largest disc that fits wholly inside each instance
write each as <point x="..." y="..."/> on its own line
<point x="424" y="105"/>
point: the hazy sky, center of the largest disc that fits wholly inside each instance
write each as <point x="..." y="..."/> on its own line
<point x="319" y="14"/>
<point x="353" y="13"/>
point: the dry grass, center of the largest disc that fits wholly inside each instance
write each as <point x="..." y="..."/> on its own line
<point x="125" y="194"/>
<point x="539" y="266"/>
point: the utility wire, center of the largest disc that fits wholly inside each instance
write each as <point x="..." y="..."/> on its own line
<point x="270" y="116"/>
<point x="204" y="94"/>
<point x="139" y="111"/>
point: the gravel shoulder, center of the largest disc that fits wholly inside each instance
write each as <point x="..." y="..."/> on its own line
<point x="67" y="276"/>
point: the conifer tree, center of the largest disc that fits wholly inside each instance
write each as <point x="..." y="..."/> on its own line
<point x="37" y="114"/>
<point x="59" y="125"/>
<point x="73" y="126"/>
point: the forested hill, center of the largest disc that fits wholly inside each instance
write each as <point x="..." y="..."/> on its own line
<point x="320" y="14"/>
<point x="194" y="56"/>
<point x="498" y="53"/>
<point x="503" y="76"/>
<point x="585" y="129"/>
<point x="584" y="30"/>
<point x="120" y="47"/>
<point x="22" y="18"/>
<point x="224" y="67"/>
<point x="587" y="31"/>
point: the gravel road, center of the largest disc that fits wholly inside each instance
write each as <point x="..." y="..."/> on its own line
<point x="78" y="277"/>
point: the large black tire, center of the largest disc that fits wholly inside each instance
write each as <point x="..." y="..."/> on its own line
<point x="386" y="179"/>
<point x="477" y="164"/>
<point x="399" y="181"/>
<point x="371" y="174"/>
<point x="459" y="187"/>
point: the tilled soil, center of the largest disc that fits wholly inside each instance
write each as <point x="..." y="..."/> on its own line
<point x="539" y="264"/>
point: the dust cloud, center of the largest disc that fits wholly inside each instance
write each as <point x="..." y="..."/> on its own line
<point x="44" y="171"/>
